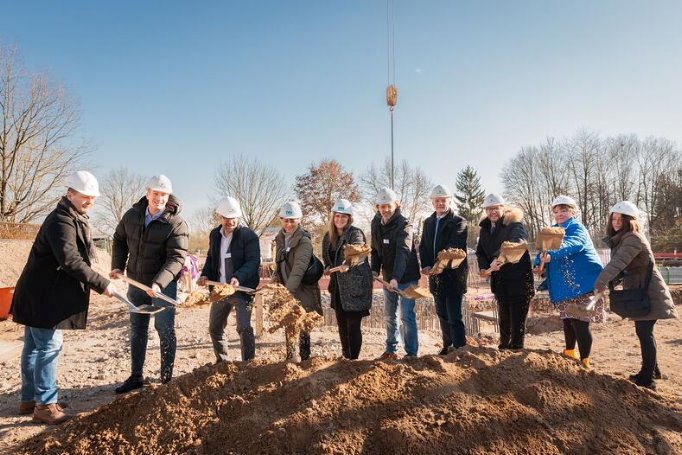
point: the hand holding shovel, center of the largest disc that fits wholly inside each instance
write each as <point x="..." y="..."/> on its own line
<point x="510" y="253"/>
<point x="549" y="238"/>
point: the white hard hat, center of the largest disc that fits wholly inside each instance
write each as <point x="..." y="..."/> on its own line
<point x="564" y="200"/>
<point x="84" y="182"/>
<point x="160" y="183"/>
<point x="386" y="196"/>
<point x="291" y="209"/>
<point x="626" y="208"/>
<point x="343" y="206"/>
<point x="229" y="208"/>
<point x="492" y="200"/>
<point x="440" y="191"/>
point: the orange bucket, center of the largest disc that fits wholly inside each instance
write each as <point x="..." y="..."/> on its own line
<point x="5" y="302"/>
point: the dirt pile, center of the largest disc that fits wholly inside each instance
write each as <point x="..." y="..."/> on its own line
<point x="474" y="401"/>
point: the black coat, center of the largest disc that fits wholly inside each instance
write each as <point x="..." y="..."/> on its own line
<point x="153" y="254"/>
<point x="245" y="250"/>
<point x="511" y="279"/>
<point x="452" y="233"/>
<point x="393" y="251"/>
<point x="53" y="290"/>
<point x="351" y="290"/>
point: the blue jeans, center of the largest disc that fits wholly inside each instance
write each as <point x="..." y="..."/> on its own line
<point x="449" y="311"/>
<point x="39" y="360"/>
<point x="164" y="323"/>
<point x="408" y="328"/>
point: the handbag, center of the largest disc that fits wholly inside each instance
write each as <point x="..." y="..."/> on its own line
<point x="631" y="303"/>
<point x="314" y="271"/>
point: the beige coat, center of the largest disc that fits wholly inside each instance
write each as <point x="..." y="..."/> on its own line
<point x="291" y="266"/>
<point x="631" y="252"/>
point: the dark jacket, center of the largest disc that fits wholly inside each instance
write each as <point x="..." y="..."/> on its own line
<point x="452" y="233"/>
<point x="511" y="279"/>
<point x="245" y="250"/>
<point x="153" y="254"/>
<point x="291" y="266"/>
<point x="631" y="254"/>
<point x="351" y="290"/>
<point x="53" y="290"/>
<point x="393" y="251"/>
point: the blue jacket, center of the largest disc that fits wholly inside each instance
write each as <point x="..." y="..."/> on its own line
<point x="574" y="267"/>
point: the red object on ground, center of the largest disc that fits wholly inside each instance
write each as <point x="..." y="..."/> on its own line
<point x="5" y="302"/>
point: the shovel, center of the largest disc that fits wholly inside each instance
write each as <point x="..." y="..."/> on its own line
<point x="144" y="287"/>
<point x="549" y="238"/>
<point x="452" y="257"/>
<point x="355" y="253"/>
<point x="142" y="309"/>
<point x="413" y="292"/>
<point x="243" y="289"/>
<point x="340" y="268"/>
<point x="510" y="253"/>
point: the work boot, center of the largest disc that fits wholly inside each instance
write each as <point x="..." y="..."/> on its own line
<point x="51" y="414"/>
<point x="444" y="351"/>
<point x="27" y="407"/>
<point x="570" y="354"/>
<point x="388" y="356"/>
<point x="585" y="363"/>
<point x="649" y="385"/>
<point x="132" y="383"/>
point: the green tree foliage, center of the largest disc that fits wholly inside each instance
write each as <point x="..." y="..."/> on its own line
<point x="469" y="195"/>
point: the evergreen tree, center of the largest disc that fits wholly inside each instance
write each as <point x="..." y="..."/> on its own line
<point x="469" y="195"/>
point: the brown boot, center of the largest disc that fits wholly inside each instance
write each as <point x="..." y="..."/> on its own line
<point x="51" y="414"/>
<point x="27" y="407"/>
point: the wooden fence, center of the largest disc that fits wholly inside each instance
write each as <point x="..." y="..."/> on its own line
<point x="18" y="231"/>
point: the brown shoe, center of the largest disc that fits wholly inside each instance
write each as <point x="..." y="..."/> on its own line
<point x="388" y="356"/>
<point x="51" y="414"/>
<point x="27" y="407"/>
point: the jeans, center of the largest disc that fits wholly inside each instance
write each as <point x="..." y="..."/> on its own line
<point x="449" y="310"/>
<point x="164" y="323"/>
<point x="408" y="328"/>
<point x="647" y="344"/>
<point x="217" y="321"/>
<point x="39" y="360"/>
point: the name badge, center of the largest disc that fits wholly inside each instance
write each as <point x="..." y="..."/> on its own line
<point x="228" y="255"/>
<point x="386" y="242"/>
<point x="288" y="249"/>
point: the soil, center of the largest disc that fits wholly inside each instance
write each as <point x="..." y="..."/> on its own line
<point x="474" y="400"/>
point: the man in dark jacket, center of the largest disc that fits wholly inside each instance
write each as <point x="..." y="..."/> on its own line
<point x="53" y="293"/>
<point x="443" y="230"/>
<point x="394" y="254"/>
<point x="233" y="258"/>
<point x="150" y="243"/>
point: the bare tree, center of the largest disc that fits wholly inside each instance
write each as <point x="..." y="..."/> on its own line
<point x="259" y="188"/>
<point x="120" y="189"/>
<point x="657" y="158"/>
<point x="411" y="184"/>
<point x="36" y="122"/>
<point x="584" y="150"/>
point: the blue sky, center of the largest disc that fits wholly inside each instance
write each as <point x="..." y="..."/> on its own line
<point x="177" y="87"/>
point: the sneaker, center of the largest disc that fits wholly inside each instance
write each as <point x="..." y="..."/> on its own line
<point x="132" y="383"/>
<point x="51" y="414"/>
<point x="388" y="356"/>
<point x="27" y="407"/>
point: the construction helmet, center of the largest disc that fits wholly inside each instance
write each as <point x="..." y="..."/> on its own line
<point x="386" y="196"/>
<point x="160" y="183"/>
<point x="291" y="209"/>
<point x="440" y="191"/>
<point x="83" y="182"/>
<point x="492" y="200"/>
<point x="229" y="208"/>
<point x="343" y="206"/>
<point x="564" y="200"/>
<point x="626" y="208"/>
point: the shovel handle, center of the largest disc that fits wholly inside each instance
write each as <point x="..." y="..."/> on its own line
<point x="386" y="285"/>
<point x="339" y="268"/>
<point x="144" y="287"/>
<point x="238" y="288"/>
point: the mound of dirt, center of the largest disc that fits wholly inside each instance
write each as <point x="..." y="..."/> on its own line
<point x="475" y="401"/>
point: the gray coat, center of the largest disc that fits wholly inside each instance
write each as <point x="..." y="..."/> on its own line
<point x="631" y="253"/>
<point x="291" y="266"/>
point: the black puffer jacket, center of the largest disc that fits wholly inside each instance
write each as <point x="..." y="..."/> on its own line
<point x="53" y="290"/>
<point x="245" y="251"/>
<point x="154" y="254"/>
<point x="452" y="233"/>
<point x="351" y="290"/>
<point x="393" y="251"/>
<point x="511" y="279"/>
